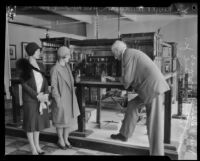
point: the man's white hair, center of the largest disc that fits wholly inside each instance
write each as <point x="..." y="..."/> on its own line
<point x="119" y="46"/>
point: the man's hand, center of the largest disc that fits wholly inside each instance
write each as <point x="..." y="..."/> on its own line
<point x="110" y="78"/>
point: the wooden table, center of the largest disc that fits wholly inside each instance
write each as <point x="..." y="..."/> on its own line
<point x="81" y="101"/>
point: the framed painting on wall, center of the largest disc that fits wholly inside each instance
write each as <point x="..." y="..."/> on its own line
<point x="24" y="53"/>
<point x="12" y="51"/>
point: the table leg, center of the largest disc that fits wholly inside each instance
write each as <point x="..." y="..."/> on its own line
<point x="98" y="119"/>
<point x="167" y="125"/>
<point x="81" y="103"/>
<point x="82" y="132"/>
<point x="89" y="95"/>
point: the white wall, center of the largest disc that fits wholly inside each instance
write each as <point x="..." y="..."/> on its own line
<point x="184" y="32"/>
<point x="19" y="33"/>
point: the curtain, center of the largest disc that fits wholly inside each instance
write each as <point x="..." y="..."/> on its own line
<point x="7" y="73"/>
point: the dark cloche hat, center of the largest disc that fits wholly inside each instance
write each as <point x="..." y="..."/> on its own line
<point x="31" y="48"/>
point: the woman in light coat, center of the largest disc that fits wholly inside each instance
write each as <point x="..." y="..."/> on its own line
<point x="65" y="107"/>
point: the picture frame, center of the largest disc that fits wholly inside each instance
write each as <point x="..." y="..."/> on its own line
<point x="24" y="53"/>
<point x="12" y="52"/>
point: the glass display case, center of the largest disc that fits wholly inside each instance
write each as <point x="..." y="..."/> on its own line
<point x="92" y="62"/>
<point x="93" y="59"/>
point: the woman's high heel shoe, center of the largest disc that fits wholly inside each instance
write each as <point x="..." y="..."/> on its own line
<point x="35" y="153"/>
<point x="61" y="146"/>
<point x="69" y="146"/>
<point x="41" y="153"/>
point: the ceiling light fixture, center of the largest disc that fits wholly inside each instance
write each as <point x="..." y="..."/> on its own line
<point x="181" y="9"/>
<point x="11" y="10"/>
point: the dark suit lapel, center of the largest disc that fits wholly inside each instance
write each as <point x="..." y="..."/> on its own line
<point x="33" y="81"/>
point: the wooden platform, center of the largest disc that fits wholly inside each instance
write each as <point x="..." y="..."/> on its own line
<point x="82" y="142"/>
<point x="93" y="141"/>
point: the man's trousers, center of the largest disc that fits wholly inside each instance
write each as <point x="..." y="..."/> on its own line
<point x="155" y="122"/>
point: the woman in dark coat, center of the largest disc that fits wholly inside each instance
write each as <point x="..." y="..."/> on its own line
<point x="34" y="86"/>
<point x="64" y="103"/>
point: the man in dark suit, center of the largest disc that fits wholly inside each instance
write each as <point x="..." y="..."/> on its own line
<point x="140" y="73"/>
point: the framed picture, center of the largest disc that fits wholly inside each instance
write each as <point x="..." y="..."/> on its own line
<point x="23" y="45"/>
<point x="12" y="51"/>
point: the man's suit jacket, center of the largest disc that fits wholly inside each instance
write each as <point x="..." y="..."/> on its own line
<point x="143" y="75"/>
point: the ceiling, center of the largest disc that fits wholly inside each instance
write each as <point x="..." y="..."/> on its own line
<point x="59" y="16"/>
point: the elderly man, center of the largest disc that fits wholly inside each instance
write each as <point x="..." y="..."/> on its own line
<point x="140" y="73"/>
